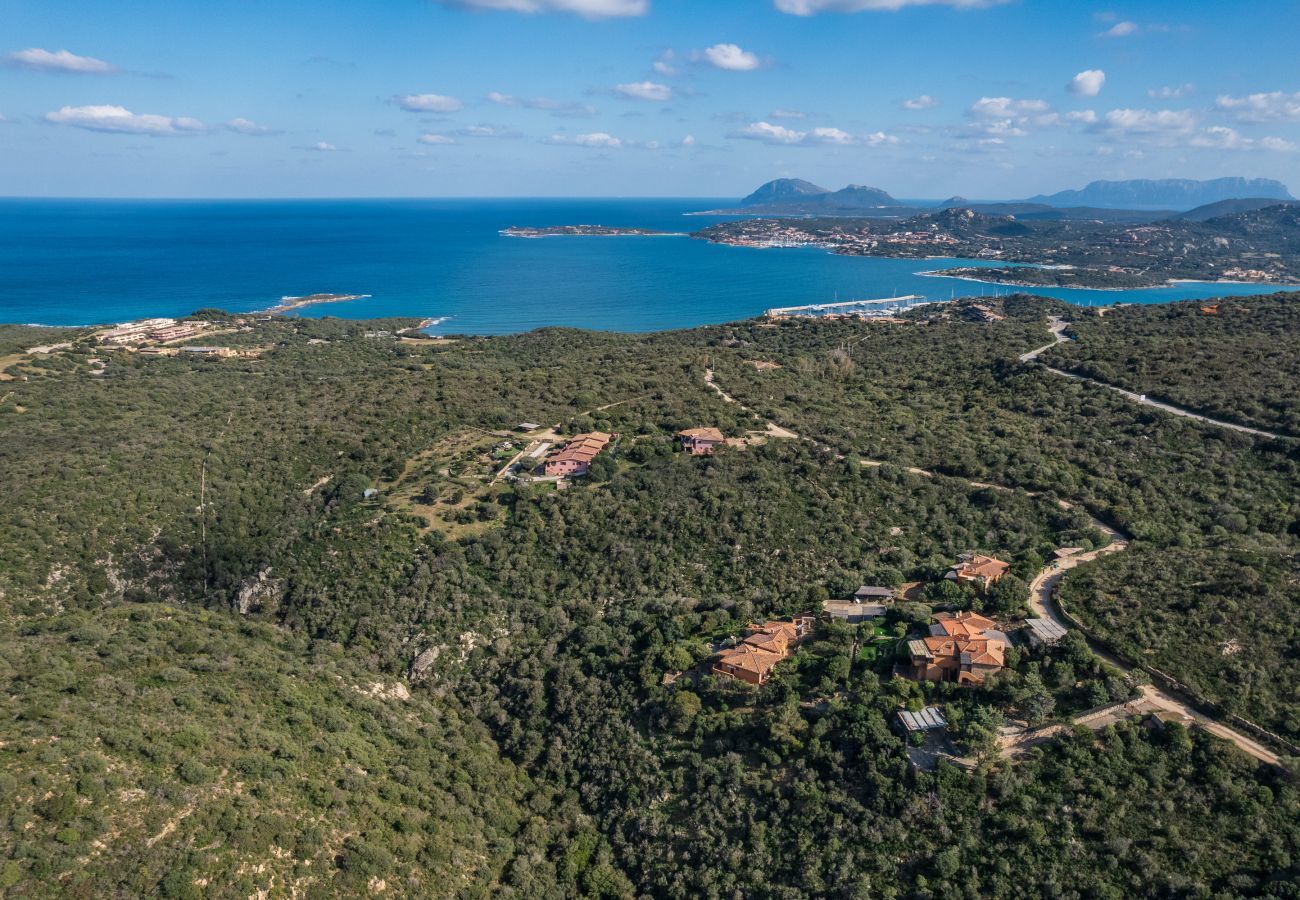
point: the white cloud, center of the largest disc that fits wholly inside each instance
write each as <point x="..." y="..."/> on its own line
<point x="546" y="104"/>
<point x="1158" y="126"/>
<point x="488" y="131"/>
<point x="597" y="139"/>
<point x="731" y="58"/>
<point x="1004" y="117"/>
<point x="1087" y="83"/>
<point x="588" y="9"/>
<point x="322" y="147"/>
<point x="1274" y="106"/>
<point x="1277" y="144"/>
<point x="1122" y="29"/>
<point x="771" y="134"/>
<point x="788" y="114"/>
<point x="925" y="101"/>
<point x="829" y="136"/>
<point x="437" y="140"/>
<point x="1007" y="108"/>
<point x="250" y="128"/>
<point x="1221" y="137"/>
<point x="688" y="141"/>
<point x="666" y="64"/>
<point x="1171" y="92"/>
<point x="428" y="103"/>
<point x="1084" y="116"/>
<point x="877" y="138"/>
<point x="646" y="90"/>
<point x="121" y="120"/>
<point x="780" y="135"/>
<point x="813" y="7"/>
<point x="59" y="61"/>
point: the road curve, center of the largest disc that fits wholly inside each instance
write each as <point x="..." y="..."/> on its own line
<point x="1057" y="326"/>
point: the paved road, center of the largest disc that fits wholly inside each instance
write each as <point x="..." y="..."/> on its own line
<point x="1057" y="325"/>
<point x="1044" y="583"/>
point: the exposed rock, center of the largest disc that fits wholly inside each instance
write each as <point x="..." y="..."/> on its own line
<point x="255" y="592"/>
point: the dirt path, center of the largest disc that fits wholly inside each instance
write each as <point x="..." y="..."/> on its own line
<point x="1044" y="585"/>
<point x="1057" y="326"/>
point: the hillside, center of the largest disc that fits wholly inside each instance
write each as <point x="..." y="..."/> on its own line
<point x="1236" y="359"/>
<point x="262" y="679"/>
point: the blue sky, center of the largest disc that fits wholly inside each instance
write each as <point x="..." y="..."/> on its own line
<point x="925" y="98"/>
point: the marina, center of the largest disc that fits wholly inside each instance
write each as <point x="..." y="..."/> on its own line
<point x="866" y="309"/>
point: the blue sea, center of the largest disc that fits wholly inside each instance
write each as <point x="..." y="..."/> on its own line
<point x="78" y="262"/>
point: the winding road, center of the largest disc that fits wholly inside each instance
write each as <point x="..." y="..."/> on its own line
<point x="1058" y="326"/>
<point x="1044" y="584"/>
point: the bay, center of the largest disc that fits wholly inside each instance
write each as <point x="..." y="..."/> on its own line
<point x="78" y="262"/>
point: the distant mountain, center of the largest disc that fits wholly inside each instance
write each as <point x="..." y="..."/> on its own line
<point x="783" y="190"/>
<point x="1165" y="193"/>
<point x="1225" y="208"/>
<point x="796" y="197"/>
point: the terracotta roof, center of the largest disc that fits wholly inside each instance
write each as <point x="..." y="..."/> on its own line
<point x="702" y="434"/>
<point x="982" y="567"/>
<point x="751" y="659"/>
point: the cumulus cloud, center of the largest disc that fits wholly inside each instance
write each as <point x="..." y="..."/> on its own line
<point x="1087" y="83"/>
<point x="925" y="101"/>
<point x="769" y="133"/>
<point x="1157" y="126"/>
<point x="666" y="64"/>
<point x="119" y="119"/>
<point x="428" y="103"/>
<point x="1274" y="106"/>
<point x="813" y="7"/>
<point x="321" y="147"/>
<point x="645" y="90"/>
<point x="1221" y="137"/>
<point x="1277" y="144"/>
<point x="250" y="128"/>
<point x="437" y="140"/>
<point x="588" y="9"/>
<point x="560" y="108"/>
<point x="1007" y="108"/>
<point x="39" y="60"/>
<point x="1122" y="29"/>
<point x="597" y="139"/>
<point x="488" y="131"/>
<point x="1171" y="92"/>
<point x="688" y="141"/>
<point x="731" y="58"/>
<point x="1004" y="117"/>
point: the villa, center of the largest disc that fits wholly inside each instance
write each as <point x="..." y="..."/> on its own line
<point x="575" y="457"/>
<point x="753" y="659"/>
<point x="984" y="571"/>
<point x="963" y="647"/>
<point x="700" y="441"/>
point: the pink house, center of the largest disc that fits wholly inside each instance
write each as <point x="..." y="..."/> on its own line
<point x="700" y="441"/>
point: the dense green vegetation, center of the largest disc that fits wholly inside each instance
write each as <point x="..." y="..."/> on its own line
<point x="231" y="671"/>
<point x="1241" y="364"/>
<point x="1222" y="622"/>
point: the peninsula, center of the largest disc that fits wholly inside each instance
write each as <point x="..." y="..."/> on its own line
<point x="290" y="303"/>
<point x="585" y="231"/>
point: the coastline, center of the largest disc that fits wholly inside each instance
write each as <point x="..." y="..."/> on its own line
<point x="288" y="304"/>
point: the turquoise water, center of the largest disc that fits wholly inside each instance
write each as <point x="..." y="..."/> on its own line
<point x="77" y="262"/>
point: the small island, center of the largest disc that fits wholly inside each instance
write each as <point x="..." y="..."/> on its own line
<point x="1053" y="276"/>
<point x="585" y="231"/>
